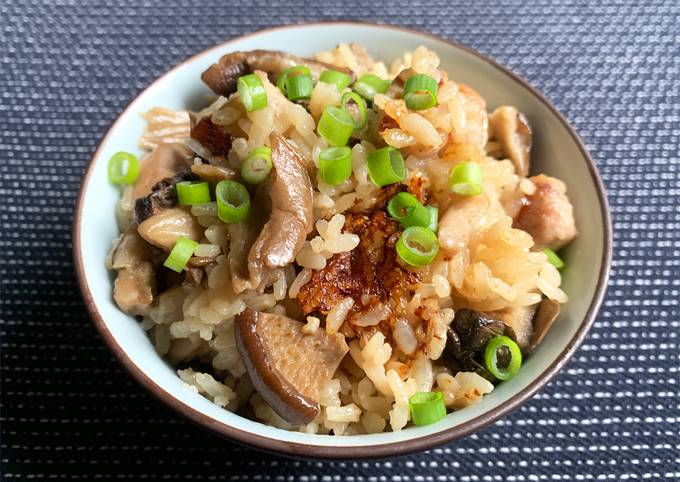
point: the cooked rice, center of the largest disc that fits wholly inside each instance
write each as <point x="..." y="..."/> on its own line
<point x="491" y="267"/>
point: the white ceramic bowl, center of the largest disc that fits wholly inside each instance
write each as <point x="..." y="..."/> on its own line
<point x="557" y="151"/>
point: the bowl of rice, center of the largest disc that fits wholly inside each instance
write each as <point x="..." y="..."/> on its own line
<point x="359" y="249"/>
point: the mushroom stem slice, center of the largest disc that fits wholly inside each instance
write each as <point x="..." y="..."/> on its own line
<point x="287" y="367"/>
<point x="545" y="316"/>
<point x="513" y="131"/>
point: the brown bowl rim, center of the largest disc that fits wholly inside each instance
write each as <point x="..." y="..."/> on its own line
<point x="372" y="451"/>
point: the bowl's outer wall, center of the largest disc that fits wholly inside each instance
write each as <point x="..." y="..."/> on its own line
<point x="557" y="151"/>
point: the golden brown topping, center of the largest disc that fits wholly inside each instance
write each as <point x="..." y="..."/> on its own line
<point x="369" y="274"/>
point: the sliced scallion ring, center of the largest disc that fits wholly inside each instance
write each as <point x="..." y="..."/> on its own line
<point x="466" y="179"/>
<point x="492" y="361"/>
<point x="427" y="407"/>
<point x="417" y="246"/>
<point x="335" y="164"/>
<point x="369" y="84"/>
<point x="299" y="87"/>
<point x="553" y="259"/>
<point x="190" y="193"/>
<point x="282" y="80"/>
<point x="405" y="208"/>
<point x="257" y="165"/>
<point x="386" y="166"/>
<point x="434" y="218"/>
<point x="420" y="92"/>
<point x="233" y="201"/>
<point x="123" y="168"/>
<point x="180" y="254"/>
<point x="335" y="125"/>
<point x="252" y="93"/>
<point x="339" y="79"/>
<point x="358" y="112"/>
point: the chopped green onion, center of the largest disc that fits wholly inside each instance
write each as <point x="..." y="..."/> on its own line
<point x="368" y="85"/>
<point x="360" y="107"/>
<point x="123" y="168"/>
<point x="335" y="164"/>
<point x="386" y="166"/>
<point x="553" y="259"/>
<point x="491" y="357"/>
<point x="466" y="179"/>
<point x="180" y="254"/>
<point x="427" y="407"/>
<point x="252" y="92"/>
<point x="417" y="246"/>
<point x="299" y="87"/>
<point x="339" y="79"/>
<point x="190" y="193"/>
<point x="282" y="81"/>
<point x="257" y="165"/>
<point x="406" y="209"/>
<point x="420" y="92"/>
<point x="335" y="125"/>
<point x="233" y="201"/>
<point x="434" y="218"/>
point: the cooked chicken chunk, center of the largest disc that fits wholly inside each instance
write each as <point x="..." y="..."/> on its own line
<point x="163" y="162"/>
<point x="548" y="215"/>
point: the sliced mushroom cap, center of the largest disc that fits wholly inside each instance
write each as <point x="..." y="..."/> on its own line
<point x="163" y="229"/>
<point x="163" y="162"/>
<point x="512" y="130"/>
<point x="468" y="336"/>
<point x="287" y="367"/>
<point x="546" y="314"/>
<point x="291" y="218"/>
<point x="163" y="195"/>
<point x="221" y="76"/>
<point x="131" y="249"/>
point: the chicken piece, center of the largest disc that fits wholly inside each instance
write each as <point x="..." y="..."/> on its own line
<point x="133" y="290"/>
<point x="548" y="215"/>
<point x="291" y="218"/>
<point x="163" y="162"/>
<point x="221" y="77"/>
<point x="135" y="285"/>
<point x="511" y="129"/>
<point x="163" y="229"/>
<point x="520" y="319"/>
<point x="286" y="366"/>
<point x="463" y="217"/>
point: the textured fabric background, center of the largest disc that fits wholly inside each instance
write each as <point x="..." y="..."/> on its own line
<point x="67" y="68"/>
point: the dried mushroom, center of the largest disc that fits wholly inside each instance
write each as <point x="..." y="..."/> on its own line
<point x="163" y="195"/>
<point x="164" y="228"/>
<point x="221" y="77"/>
<point x="511" y="129"/>
<point x="546" y="314"/>
<point x="163" y="162"/>
<point x="468" y="336"/>
<point x="287" y="367"/>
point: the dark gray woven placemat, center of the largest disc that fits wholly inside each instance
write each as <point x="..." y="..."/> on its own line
<point x="69" y="412"/>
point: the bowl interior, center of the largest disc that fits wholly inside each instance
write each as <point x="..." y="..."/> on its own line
<point x="556" y="152"/>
